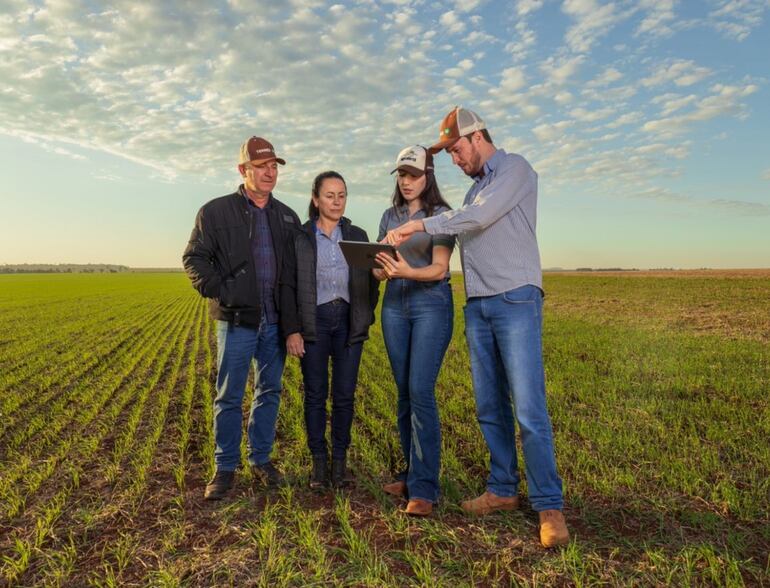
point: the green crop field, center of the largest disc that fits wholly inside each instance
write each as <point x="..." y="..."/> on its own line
<point x="658" y="387"/>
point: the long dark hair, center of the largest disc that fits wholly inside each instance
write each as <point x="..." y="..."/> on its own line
<point x="312" y="210"/>
<point x="430" y="198"/>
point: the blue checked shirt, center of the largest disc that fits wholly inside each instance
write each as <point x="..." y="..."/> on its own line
<point x="264" y="258"/>
<point x="496" y="227"/>
<point x="331" y="270"/>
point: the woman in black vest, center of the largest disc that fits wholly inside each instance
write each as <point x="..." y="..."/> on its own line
<point x="329" y="308"/>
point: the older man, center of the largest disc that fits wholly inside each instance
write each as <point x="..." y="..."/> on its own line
<point x="235" y="257"/>
<point x="503" y="317"/>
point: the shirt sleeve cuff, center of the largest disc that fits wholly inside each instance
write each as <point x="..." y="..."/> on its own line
<point x="432" y="225"/>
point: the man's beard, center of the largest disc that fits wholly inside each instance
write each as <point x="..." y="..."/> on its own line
<point x="475" y="166"/>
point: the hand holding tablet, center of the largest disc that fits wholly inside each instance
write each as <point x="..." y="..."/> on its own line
<point x="363" y="255"/>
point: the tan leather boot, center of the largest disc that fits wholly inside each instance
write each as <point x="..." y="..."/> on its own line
<point x="417" y="507"/>
<point x="553" y="528"/>
<point x="488" y="502"/>
<point x="397" y="488"/>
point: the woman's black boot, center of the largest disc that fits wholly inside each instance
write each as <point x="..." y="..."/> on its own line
<point x="319" y="477"/>
<point x="339" y="473"/>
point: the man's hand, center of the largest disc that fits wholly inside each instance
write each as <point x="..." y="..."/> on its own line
<point x="394" y="268"/>
<point x="295" y="345"/>
<point x="400" y="234"/>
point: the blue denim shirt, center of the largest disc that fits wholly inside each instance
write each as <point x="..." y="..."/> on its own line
<point x="418" y="250"/>
<point x="331" y="270"/>
<point x="496" y="227"/>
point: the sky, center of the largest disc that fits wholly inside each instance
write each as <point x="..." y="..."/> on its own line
<point x="647" y="121"/>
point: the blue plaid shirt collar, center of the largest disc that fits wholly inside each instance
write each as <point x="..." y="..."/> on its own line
<point x="242" y="191"/>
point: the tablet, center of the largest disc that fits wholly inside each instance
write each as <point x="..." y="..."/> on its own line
<point x="361" y="254"/>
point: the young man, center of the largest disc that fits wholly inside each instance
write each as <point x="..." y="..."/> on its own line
<point x="503" y="317"/>
<point x="235" y="257"/>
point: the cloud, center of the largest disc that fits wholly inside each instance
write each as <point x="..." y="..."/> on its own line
<point x="467" y="5"/>
<point x="460" y="69"/>
<point x="558" y="71"/>
<point x="736" y="19"/>
<point x="550" y="132"/>
<point x="480" y="38"/>
<point x="725" y="99"/>
<point x="526" y="7"/>
<point x="607" y="77"/>
<point x="585" y="115"/>
<point x="682" y="72"/>
<point x="349" y="85"/>
<point x="740" y="207"/>
<point x="673" y="102"/>
<point x="520" y="48"/>
<point x="593" y="20"/>
<point x="625" y="119"/>
<point x="659" y="15"/>
<point x="766" y="174"/>
<point x="451" y="23"/>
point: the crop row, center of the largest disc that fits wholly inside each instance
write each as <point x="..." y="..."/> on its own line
<point x="148" y="365"/>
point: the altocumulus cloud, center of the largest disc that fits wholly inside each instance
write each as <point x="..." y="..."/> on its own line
<point x="177" y="86"/>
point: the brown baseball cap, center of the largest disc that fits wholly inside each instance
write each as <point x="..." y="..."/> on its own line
<point x="458" y="123"/>
<point x="258" y="150"/>
<point x="415" y="160"/>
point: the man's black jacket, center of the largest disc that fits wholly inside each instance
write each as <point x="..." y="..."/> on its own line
<point x="219" y="262"/>
<point x="299" y="293"/>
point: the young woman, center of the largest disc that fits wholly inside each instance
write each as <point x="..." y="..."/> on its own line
<point x="329" y="308"/>
<point x="417" y="318"/>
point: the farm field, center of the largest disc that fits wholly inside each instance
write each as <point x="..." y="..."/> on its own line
<point x="658" y="388"/>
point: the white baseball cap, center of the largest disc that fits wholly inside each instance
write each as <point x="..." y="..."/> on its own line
<point x="415" y="160"/>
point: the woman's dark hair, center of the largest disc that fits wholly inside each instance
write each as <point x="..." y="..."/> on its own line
<point x="312" y="210"/>
<point x="430" y="198"/>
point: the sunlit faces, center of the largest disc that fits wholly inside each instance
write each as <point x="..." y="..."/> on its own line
<point x="465" y="154"/>
<point x="260" y="178"/>
<point x="411" y="186"/>
<point x="331" y="199"/>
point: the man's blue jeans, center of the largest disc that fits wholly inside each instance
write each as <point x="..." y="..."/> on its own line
<point x="332" y="328"/>
<point x="504" y="334"/>
<point x="239" y="347"/>
<point x="417" y="320"/>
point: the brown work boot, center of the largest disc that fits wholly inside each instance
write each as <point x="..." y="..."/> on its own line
<point x="417" y="507"/>
<point x="488" y="502"/>
<point x="397" y="488"/>
<point x="219" y="486"/>
<point x="553" y="528"/>
<point x="266" y="474"/>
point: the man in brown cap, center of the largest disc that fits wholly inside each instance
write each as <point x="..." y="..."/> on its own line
<point x="503" y="317"/>
<point x="234" y="258"/>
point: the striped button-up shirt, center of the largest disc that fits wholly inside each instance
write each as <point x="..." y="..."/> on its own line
<point x="496" y="227"/>
<point x="331" y="268"/>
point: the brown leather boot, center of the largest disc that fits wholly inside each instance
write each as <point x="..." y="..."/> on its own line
<point x="417" y="507"/>
<point x="397" y="488"/>
<point x="219" y="486"/>
<point x="488" y="502"/>
<point x="553" y="528"/>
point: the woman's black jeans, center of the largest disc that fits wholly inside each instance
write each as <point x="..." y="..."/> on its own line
<point x="332" y="324"/>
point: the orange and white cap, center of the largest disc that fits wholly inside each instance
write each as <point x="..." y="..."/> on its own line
<point x="458" y="123"/>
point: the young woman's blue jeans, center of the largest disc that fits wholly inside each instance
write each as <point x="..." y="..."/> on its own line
<point x="332" y="325"/>
<point x="417" y="319"/>
<point x="504" y="334"/>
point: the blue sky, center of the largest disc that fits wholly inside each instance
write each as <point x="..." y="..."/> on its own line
<point x="647" y="121"/>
